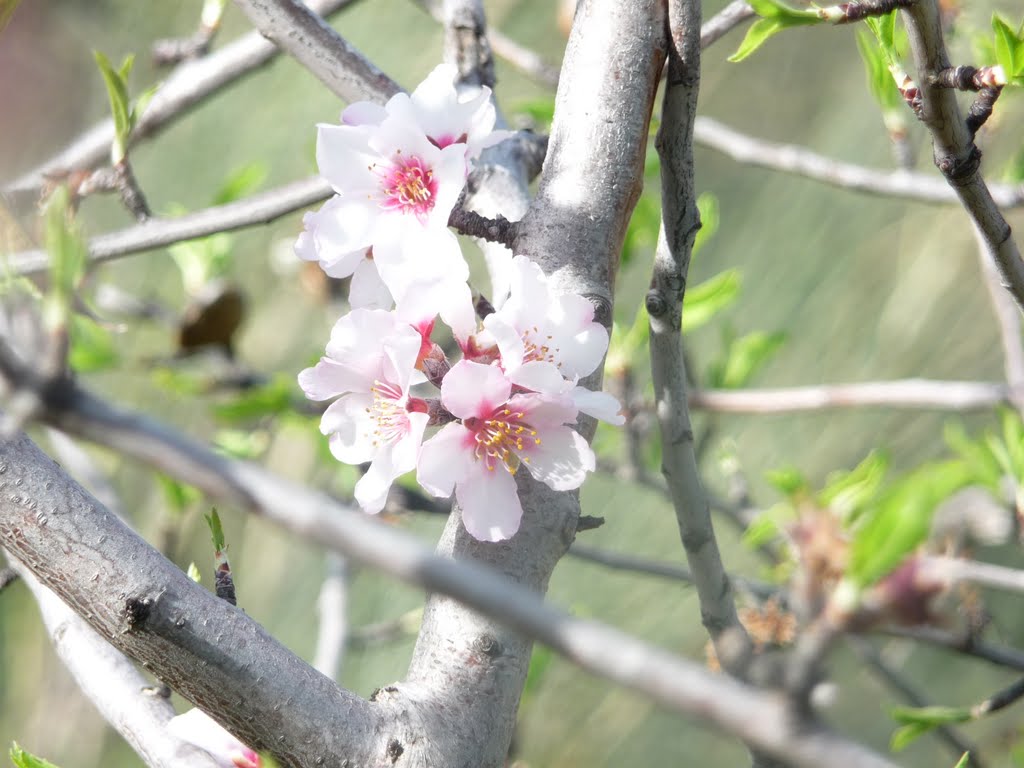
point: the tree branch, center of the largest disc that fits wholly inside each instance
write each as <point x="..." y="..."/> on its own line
<point x="800" y="161"/>
<point x="307" y="38"/>
<point x="263" y="692"/>
<point x="680" y="222"/>
<point x="955" y="153"/>
<point x="904" y="393"/>
<point x="111" y="682"/>
<point x="190" y="84"/>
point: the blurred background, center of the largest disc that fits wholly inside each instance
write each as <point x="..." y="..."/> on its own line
<point x="860" y="288"/>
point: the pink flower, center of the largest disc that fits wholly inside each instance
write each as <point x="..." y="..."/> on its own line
<point x="548" y="340"/>
<point x="499" y="432"/>
<point x="199" y="729"/>
<point x="396" y="191"/>
<point x="436" y="108"/>
<point x="319" y="242"/>
<point x="370" y="363"/>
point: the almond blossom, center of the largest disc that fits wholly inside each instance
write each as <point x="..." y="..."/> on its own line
<point x="200" y="730"/>
<point x="396" y="191"/>
<point x="549" y="340"/>
<point x="439" y="111"/>
<point x="499" y="432"/>
<point x="370" y="363"/>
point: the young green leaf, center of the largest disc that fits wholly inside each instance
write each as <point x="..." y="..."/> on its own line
<point x="242" y="182"/>
<point x="116" y="81"/>
<point x="68" y="257"/>
<point x="92" y="346"/>
<point x="756" y="36"/>
<point x="899" y="520"/>
<point x="702" y="302"/>
<point x="918" y="721"/>
<point x="847" y="493"/>
<point x="964" y="761"/>
<point x="789" y="481"/>
<point x="744" y="358"/>
<point x="193" y="573"/>
<point x="775" y="17"/>
<point x="216" y="530"/>
<point x="24" y="759"/>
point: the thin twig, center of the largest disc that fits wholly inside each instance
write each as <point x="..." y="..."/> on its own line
<point x="1008" y="320"/>
<point x="895" y="679"/>
<point x="961" y="643"/>
<point x="800" y="161"/>
<point x="956" y="156"/>
<point x="680" y="222"/>
<point x="625" y="562"/>
<point x="727" y="19"/>
<point x="332" y="611"/>
<point x="902" y="393"/>
<point x="190" y="85"/>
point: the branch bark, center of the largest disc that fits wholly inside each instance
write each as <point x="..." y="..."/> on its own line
<point x="680" y="222"/>
<point x="111" y="682"/>
<point x="956" y="155"/>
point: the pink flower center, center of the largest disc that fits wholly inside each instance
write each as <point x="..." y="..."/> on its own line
<point x="409" y="186"/>
<point x="501" y="438"/>
<point x="388" y="413"/>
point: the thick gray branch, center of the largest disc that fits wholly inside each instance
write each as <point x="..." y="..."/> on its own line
<point x="80" y="550"/>
<point x="112" y="683"/>
<point x="201" y="646"/>
<point x="306" y="37"/>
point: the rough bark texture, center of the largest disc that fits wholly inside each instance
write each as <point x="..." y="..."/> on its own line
<point x="209" y="651"/>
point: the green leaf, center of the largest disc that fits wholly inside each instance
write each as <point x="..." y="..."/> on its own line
<point x="757" y="35"/>
<point x="7" y="8"/>
<point x="884" y="29"/>
<point x="744" y="357"/>
<point x="193" y="573"/>
<point x="980" y="462"/>
<point x="202" y="260"/>
<point x="92" y="346"/>
<point x="120" y="105"/>
<point x="178" y="495"/>
<point x="789" y="481"/>
<point x="68" y="257"/>
<point x="768" y="525"/>
<point x="24" y="759"/>
<point x="274" y="398"/>
<point x="707" y="205"/>
<point x="642" y="232"/>
<point x="773" y="9"/>
<point x="880" y="82"/>
<point x="846" y="493"/>
<point x="216" y="530"/>
<point x="1005" y="44"/>
<point x="704" y="301"/>
<point x="964" y="760"/>
<point x="242" y="182"/>
<point x="903" y="737"/>
<point x="920" y="720"/>
<point x="899" y="520"/>
<point x="931" y="715"/>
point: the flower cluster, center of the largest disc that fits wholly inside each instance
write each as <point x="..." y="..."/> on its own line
<point x="513" y="398"/>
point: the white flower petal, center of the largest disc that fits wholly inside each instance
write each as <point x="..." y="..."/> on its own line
<point x="600" y="405"/>
<point x="367" y="290"/>
<point x="539" y="376"/>
<point x="561" y="460"/>
<point x="445" y="459"/>
<point x="329" y="379"/>
<point x="351" y="429"/>
<point x="489" y="499"/>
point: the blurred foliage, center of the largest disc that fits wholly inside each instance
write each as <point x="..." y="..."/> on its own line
<point x="23" y="759"/>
